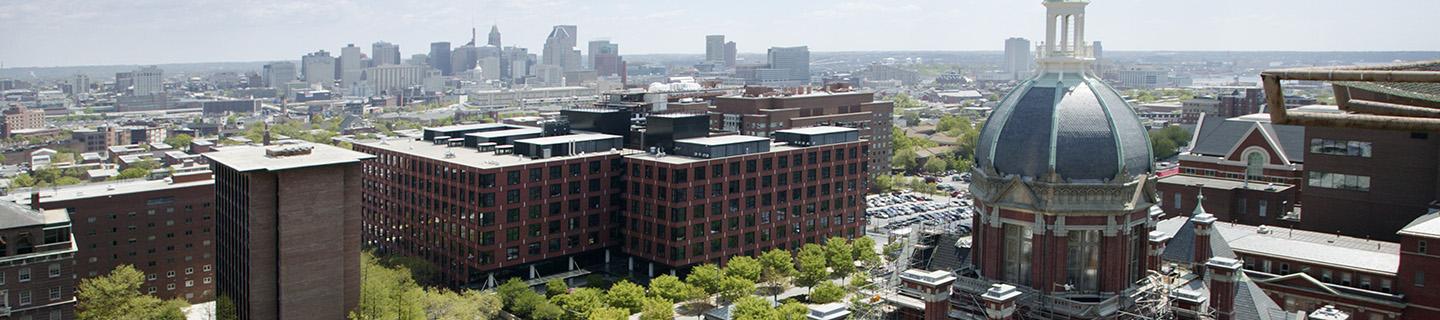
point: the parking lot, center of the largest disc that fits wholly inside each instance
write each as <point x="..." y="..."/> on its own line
<point x="902" y="209"/>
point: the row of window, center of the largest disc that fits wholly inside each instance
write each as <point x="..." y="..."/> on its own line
<point x="22" y="275"/>
<point x="23" y="298"/>
<point x="1338" y="181"/>
<point x="1340" y="147"/>
<point x="720" y="190"/>
<point x="1324" y="275"/>
<point x="750" y="166"/>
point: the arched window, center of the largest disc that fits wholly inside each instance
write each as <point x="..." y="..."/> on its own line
<point x="1255" y="165"/>
<point x="23" y="246"/>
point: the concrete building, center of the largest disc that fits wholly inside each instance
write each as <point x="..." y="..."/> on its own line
<point x="318" y="68"/>
<point x="393" y="78"/>
<point x="1018" y="60"/>
<point x="494" y="37"/>
<point x="384" y="53"/>
<point x="18" y="119"/>
<point x="730" y="54"/>
<point x="277" y="74"/>
<point x="80" y="84"/>
<point x="164" y="228"/>
<point x="1194" y="109"/>
<point x="715" y="48"/>
<point x="148" y="80"/>
<point x="288" y="230"/>
<point x="37" y="261"/>
<point x="762" y="113"/>
<point x="350" y="66"/>
<point x="560" y="48"/>
<point x="794" y="59"/>
<point x="605" y="58"/>
<point x="1144" y="77"/>
<point x="880" y="72"/>
<point x="440" y="58"/>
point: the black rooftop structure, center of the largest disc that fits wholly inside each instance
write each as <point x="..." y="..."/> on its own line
<point x="817" y="136"/>
<point x="720" y="147"/>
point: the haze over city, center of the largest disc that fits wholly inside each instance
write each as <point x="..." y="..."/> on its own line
<point x="99" y="32"/>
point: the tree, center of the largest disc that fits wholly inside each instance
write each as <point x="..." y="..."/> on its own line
<point x="225" y="308"/>
<point x="827" y="292"/>
<point x="775" y="265"/>
<point x="884" y="183"/>
<point x="864" y="251"/>
<point x="892" y="249"/>
<point x="812" y="266"/>
<point x="753" y="308"/>
<point x="23" y="180"/>
<point x="117" y="296"/>
<point x="65" y="181"/>
<point x="791" y="310"/>
<point x="547" y="311"/>
<point x="670" y="288"/>
<point x="518" y="298"/>
<point x="180" y="141"/>
<point x="556" y="287"/>
<point x="608" y="313"/>
<point x="732" y="288"/>
<point x="706" y="277"/>
<point x="626" y="295"/>
<point x="743" y="267"/>
<point x="935" y="164"/>
<point x="443" y="304"/>
<point x="581" y="301"/>
<point x="657" y="309"/>
<point x="904" y="159"/>
<point x="857" y="283"/>
<point x="386" y="293"/>
<point x="840" y="256"/>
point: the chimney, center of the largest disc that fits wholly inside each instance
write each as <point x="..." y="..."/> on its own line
<point x="34" y="200"/>
<point x="1000" y="302"/>
<point x="265" y="138"/>
<point x="1223" y="278"/>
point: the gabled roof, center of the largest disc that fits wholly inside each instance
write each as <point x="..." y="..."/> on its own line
<point x="1219" y="136"/>
<point x="1425" y="226"/>
<point x="1181" y="247"/>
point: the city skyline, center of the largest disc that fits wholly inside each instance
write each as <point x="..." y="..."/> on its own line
<point x="216" y="32"/>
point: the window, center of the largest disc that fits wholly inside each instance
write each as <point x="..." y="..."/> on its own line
<point x="24" y="298"/>
<point x="1255" y="165"/>
<point x="1263" y="207"/>
<point x="1177" y="200"/>
<point x="24" y="275"/>
<point x="1420" y="278"/>
<point x="1421" y="247"/>
<point x="1083" y="264"/>
<point x="206" y="268"/>
<point x="1016" y="254"/>
<point x="1338" y="181"/>
<point x="1340" y="147"/>
<point x="190" y="270"/>
<point x="54" y="293"/>
<point x="54" y="270"/>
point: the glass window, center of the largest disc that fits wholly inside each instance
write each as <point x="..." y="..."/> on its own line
<point x="1016" y="259"/>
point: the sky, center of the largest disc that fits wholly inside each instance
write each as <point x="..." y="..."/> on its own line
<point x="38" y="33"/>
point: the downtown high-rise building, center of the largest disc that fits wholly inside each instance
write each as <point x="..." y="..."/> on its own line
<point x="440" y="57"/>
<point x="730" y="53"/>
<point x="383" y="53"/>
<point x="560" y="49"/>
<point x="276" y="74"/>
<point x="494" y="38"/>
<point x="715" y="48"/>
<point x="1017" y="58"/>
<point x="148" y="80"/>
<point x="318" y="68"/>
<point x="605" y="57"/>
<point x="350" y="66"/>
<point x="795" y="60"/>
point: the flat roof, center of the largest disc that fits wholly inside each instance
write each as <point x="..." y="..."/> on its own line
<point x="463" y="127"/>
<point x="817" y="130"/>
<point x="1219" y="183"/>
<point x="679" y="115"/>
<point x="1317" y="248"/>
<point x="506" y="133"/>
<point x="107" y="189"/>
<point x="722" y="140"/>
<point x="253" y="158"/>
<point x="469" y="157"/>
<point x="568" y="138"/>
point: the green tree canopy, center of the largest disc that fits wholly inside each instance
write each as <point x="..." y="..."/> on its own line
<point x="732" y="288"/>
<point x="670" y="288"/>
<point x="608" y="313"/>
<point x="117" y="296"/>
<point x="657" y="309"/>
<point x="936" y="164"/>
<point x="180" y="141"/>
<point x="840" y="256"/>
<point x="556" y="287"/>
<point x="776" y="265"/>
<point x="864" y="251"/>
<point x="743" y="267"/>
<point x="626" y="295"/>
<point x="827" y="292"/>
<point x="706" y="277"/>
<point x="812" y="266"/>
<point x="581" y="300"/>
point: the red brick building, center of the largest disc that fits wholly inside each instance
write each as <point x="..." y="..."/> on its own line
<point x="36" y="263"/>
<point x="472" y="212"/>
<point x="727" y="196"/>
<point x="762" y="111"/>
<point x="164" y="228"/>
<point x="288" y="230"/>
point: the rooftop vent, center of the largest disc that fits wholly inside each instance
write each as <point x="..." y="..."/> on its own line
<point x="288" y="150"/>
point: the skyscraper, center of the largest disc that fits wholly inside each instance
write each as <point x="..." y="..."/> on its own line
<point x="383" y="53"/>
<point x="276" y="74"/>
<point x="288" y="230"/>
<point x="605" y="57"/>
<point x="494" y="36"/>
<point x="80" y="84"/>
<point x="148" y="80"/>
<point x="560" y="48"/>
<point x="350" y="65"/>
<point x="318" y="68"/>
<point x="440" y="57"/>
<point x="715" y="48"/>
<point x="794" y="59"/>
<point x="730" y="54"/>
<point x="1017" y="58"/>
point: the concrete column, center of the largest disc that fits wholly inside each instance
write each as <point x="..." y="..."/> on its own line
<point x="1049" y="34"/>
<point x="1065" y="33"/>
<point x="630" y="264"/>
<point x="1080" y="32"/>
<point x="1000" y="302"/>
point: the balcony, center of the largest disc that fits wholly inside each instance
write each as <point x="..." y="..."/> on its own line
<point x="1086" y="306"/>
